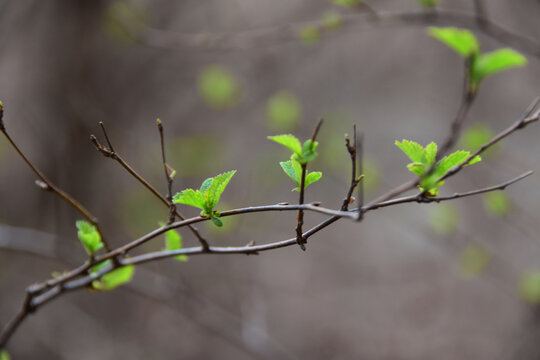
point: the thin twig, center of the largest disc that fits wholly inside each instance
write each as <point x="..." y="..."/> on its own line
<point x="168" y="175"/>
<point x="422" y="199"/>
<point x="300" y="218"/>
<point x="108" y="152"/>
<point x="455" y="129"/>
<point x="45" y="184"/>
<point x="77" y="283"/>
<point x="279" y="33"/>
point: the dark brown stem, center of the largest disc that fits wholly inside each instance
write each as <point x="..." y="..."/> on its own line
<point x="107" y="152"/>
<point x="45" y="184"/>
<point x="467" y="100"/>
<point x="168" y="177"/>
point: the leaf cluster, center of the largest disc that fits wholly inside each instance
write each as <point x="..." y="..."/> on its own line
<point x="207" y="196"/>
<point x="89" y="236"/>
<point x="423" y="160"/>
<point x="302" y="154"/>
<point x="481" y="65"/>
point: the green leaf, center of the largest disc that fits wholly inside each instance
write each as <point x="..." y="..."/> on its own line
<point x="462" y="41"/>
<point x="413" y="150"/>
<point x="430" y="153"/>
<point x="217" y="221"/>
<point x="417" y="168"/>
<point x="473" y="260"/>
<point x="309" y="35"/>
<point x="290" y="141"/>
<point x="529" y="287"/>
<point x="218" y="87"/>
<point x="428" y="3"/>
<point x="313" y="177"/>
<point x="190" y="197"/>
<point x="115" y="278"/>
<point x="216" y="188"/>
<point x="206" y="185"/>
<point x="100" y="266"/>
<point x="173" y="241"/>
<point x="347" y="3"/>
<point x="310" y="179"/>
<point x="283" y="111"/>
<point x="293" y="169"/>
<point x="497" y="203"/>
<point x="4" y="354"/>
<point x="496" y="61"/>
<point x="308" y="151"/>
<point x="450" y="161"/>
<point x="332" y="21"/>
<point x="89" y="236"/>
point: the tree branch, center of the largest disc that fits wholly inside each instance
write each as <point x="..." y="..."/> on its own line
<point x="110" y="153"/>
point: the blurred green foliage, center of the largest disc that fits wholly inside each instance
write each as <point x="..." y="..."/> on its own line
<point x="444" y="219"/>
<point x="529" y="287"/>
<point x="283" y="111"/>
<point x="197" y="155"/>
<point x="115" y="278"/>
<point x="473" y="260"/>
<point x="140" y="211"/>
<point x="347" y="3"/>
<point x="477" y="135"/>
<point x="218" y="87"/>
<point x="497" y="203"/>
<point x="125" y="21"/>
<point x="332" y="20"/>
<point x="309" y="35"/>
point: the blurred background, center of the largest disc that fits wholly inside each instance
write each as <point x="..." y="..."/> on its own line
<point x="456" y="280"/>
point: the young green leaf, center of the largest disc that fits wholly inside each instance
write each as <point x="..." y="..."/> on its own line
<point x="89" y="236"/>
<point x="423" y="160"/>
<point x="173" y="241"/>
<point x="462" y="41"/>
<point x="293" y="169"/>
<point x="308" y="151"/>
<point x="207" y="197"/>
<point x="496" y="61"/>
<point x="217" y="221"/>
<point x="191" y="197"/>
<point x="115" y="278"/>
<point x="206" y="185"/>
<point x="430" y="153"/>
<point x="216" y="188"/>
<point x="310" y="179"/>
<point x="289" y="141"/>
<point x="4" y="355"/>
<point x="413" y="150"/>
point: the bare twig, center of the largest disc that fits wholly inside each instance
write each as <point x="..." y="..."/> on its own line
<point x="110" y="153"/>
<point x="421" y="199"/>
<point x="168" y="174"/>
<point x="45" y="184"/>
<point x="275" y="34"/>
<point x="455" y="129"/>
